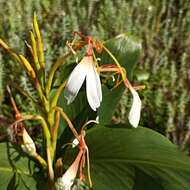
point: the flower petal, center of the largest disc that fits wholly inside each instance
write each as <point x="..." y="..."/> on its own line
<point x="66" y="181"/>
<point x="93" y="87"/>
<point x="75" y="80"/>
<point x="134" y="114"/>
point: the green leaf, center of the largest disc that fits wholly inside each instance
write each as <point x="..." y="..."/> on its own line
<point x="17" y="172"/>
<point x="128" y="159"/>
<point x="126" y="49"/>
<point x="109" y="102"/>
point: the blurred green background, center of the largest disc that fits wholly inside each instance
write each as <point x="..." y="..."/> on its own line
<point x="164" y="66"/>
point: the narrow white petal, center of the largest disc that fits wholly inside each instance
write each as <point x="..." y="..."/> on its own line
<point x="134" y="114"/>
<point x="76" y="80"/>
<point x="93" y="87"/>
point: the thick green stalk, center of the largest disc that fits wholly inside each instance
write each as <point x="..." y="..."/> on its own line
<point x="50" y="167"/>
<point x="54" y="104"/>
<point x="54" y="68"/>
<point x="54" y="134"/>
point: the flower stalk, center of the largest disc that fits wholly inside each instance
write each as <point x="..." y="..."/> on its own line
<point x="53" y="69"/>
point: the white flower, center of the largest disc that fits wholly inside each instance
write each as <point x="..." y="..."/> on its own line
<point x="66" y="181"/>
<point x="86" y="69"/>
<point x="134" y="114"/>
<point x="28" y="145"/>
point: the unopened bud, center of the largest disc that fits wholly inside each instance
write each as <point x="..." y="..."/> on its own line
<point x="28" y="145"/>
<point x="66" y="181"/>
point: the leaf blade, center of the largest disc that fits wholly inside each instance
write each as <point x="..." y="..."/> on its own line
<point x="135" y="149"/>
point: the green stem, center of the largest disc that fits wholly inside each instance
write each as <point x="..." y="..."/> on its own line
<point x="45" y="131"/>
<point x="66" y="118"/>
<point x="50" y="166"/>
<point x="54" y="103"/>
<point x="57" y="94"/>
<point x="55" y="66"/>
<point x="54" y="134"/>
<point x="41" y="161"/>
<point x="116" y="62"/>
<point x="43" y="123"/>
<point x="41" y="95"/>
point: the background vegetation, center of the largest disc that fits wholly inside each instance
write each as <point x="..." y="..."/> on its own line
<point x="163" y="26"/>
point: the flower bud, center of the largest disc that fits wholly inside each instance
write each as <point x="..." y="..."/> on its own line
<point x="28" y="145"/>
<point x="66" y="181"/>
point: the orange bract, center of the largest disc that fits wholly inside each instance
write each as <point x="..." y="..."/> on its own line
<point x="90" y="41"/>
